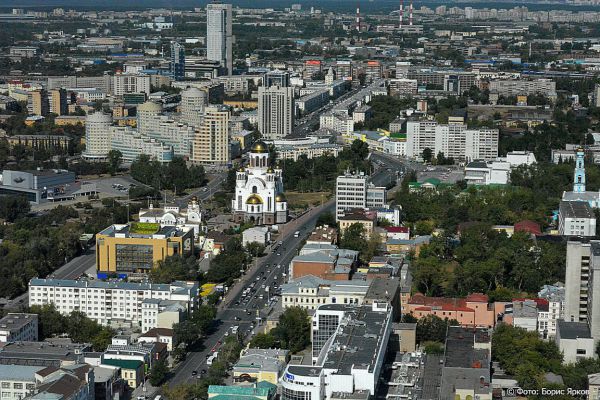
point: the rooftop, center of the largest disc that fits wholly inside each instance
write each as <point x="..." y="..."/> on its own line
<point x="573" y="330"/>
<point x="15" y="321"/>
<point x="576" y="209"/>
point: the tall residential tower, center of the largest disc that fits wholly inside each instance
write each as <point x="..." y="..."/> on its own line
<point x="219" y="35"/>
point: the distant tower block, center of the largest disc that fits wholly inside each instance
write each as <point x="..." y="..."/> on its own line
<point x="410" y="16"/>
<point x="401" y="12"/>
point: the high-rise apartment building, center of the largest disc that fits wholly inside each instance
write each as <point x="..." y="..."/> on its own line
<point x="131" y="83"/>
<point x="177" y="65"/>
<point x="597" y="95"/>
<point x="219" y="34"/>
<point x="97" y="135"/>
<point x="57" y="99"/>
<point x="453" y="140"/>
<point x="356" y="191"/>
<point x="193" y="101"/>
<point x="211" y="142"/>
<point x="277" y="78"/>
<point x="275" y="111"/>
<point x="37" y="102"/>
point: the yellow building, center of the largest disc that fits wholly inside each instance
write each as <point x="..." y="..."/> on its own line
<point x="132" y="371"/>
<point x="356" y="218"/>
<point x="69" y="120"/>
<point x="138" y="247"/>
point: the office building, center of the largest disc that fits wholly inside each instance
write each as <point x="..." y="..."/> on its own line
<point x="277" y="78"/>
<point x="109" y="303"/>
<point x="211" y="140"/>
<point x="312" y="101"/>
<point x="57" y="99"/>
<point x="259" y="196"/>
<point x="136" y="248"/>
<point x="275" y="111"/>
<point x="310" y="146"/>
<point x="177" y="65"/>
<point x="403" y="87"/>
<point x="349" y="346"/>
<point x="44" y="185"/>
<point x="311" y="292"/>
<point x="97" y="136"/>
<point x="193" y="102"/>
<point x="17" y="327"/>
<point x="219" y="35"/>
<point x="576" y="218"/>
<point x="338" y="122"/>
<point x="356" y="191"/>
<point x="453" y="140"/>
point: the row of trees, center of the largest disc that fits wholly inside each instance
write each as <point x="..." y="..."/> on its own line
<point x="292" y="332"/>
<point x="487" y="261"/>
<point x="319" y="173"/>
<point x="76" y="325"/>
<point x="528" y="358"/>
<point x="175" y="175"/>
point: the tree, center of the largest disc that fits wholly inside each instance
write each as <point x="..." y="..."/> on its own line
<point x="293" y="331"/>
<point x="115" y="157"/>
<point x="433" y="328"/>
<point x="255" y="249"/>
<point x="13" y="207"/>
<point x="263" y="341"/>
<point x="175" y="268"/>
<point x="158" y="373"/>
<point x="427" y="155"/>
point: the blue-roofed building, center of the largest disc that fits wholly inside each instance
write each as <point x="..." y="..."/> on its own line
<point x="260" y="391"/>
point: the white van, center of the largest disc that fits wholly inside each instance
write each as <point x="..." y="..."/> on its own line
<point x="234" y="330"/>
<point x="210" y="360"/>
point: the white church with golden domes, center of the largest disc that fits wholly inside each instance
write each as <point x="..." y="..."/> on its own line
<point x="259" y="190"/>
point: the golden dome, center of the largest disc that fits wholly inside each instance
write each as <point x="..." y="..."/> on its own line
<point x="259" y="147"/>
<point x="254" y="199"/>
<point x="241" y="169"/>
<point x="269" y="170"/>
<point x="280" y="197"/>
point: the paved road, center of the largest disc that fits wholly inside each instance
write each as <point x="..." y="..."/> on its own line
<point x="204" y="192"/>
<point x="243" y="311"/>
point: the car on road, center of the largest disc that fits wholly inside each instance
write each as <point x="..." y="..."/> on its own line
<point x="248" y="313"/>
<point x="194" y="373"/>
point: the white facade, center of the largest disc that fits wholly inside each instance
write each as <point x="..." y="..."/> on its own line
<point x="453" y="140"/>
<point x="19" y="327"/>
<point x="193" y="102"/>
<point x="338" y="122"/>
<point x="257" y="234"/>
<point x="130" y="83"/>
<point x="275" y="111"/>
<point x="259" y="190"/>
<point x="356" y="191"/>
<point x="132" y="144"/>
<point x="107" y="302"/>
<point x="491" y="173"/>
<point x="18" y="381"/>
<point x="97" y="135"/>
<point x="555" y="295"/>
<point x="576" y="218"/>
<point x="310" y="292"/>
<point x="172" y="215"/>
<point x="219" y="35"/>
<point x="169" y="132"/>
<point x="395" y="147"/>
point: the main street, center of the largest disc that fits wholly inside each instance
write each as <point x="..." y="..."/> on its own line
<point x="267" y="271"/>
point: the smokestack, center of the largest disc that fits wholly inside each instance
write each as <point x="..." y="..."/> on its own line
<point x="358" y="16"/>
<point x="401" y="12"/>
<point x="410" y="16"/>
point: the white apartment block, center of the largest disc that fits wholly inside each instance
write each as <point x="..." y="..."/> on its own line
<point x="18" y="381"/>
<point x="547" y="319"/>
<point x="356" y="191"/>
<point x="454" y="140"/>
<point x="576" y="218"/>
<point x="19" y="327"/>
<point x="403" y="87"/>
<point x="275" y="111"/>
<point x="395" y="147"/>
<point x="108" y="303"/>
<point x="338" y="122"/>
<point x="515" y="87"/>
<point x="130" y="83"/>
<point x="132" y="144"/>
<point x="219" y="35"/>
<point x="170" y="132"/>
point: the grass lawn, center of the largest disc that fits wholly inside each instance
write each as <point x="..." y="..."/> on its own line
<point x="301" y="200"/>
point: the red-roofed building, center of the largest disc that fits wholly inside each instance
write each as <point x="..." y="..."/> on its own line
<point x="529" y="227"/>
<point x="474" y="310"/>
<point x="397" y="232"/>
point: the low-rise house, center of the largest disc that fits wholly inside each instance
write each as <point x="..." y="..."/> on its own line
<point x="159" y="335"/>
<point x="473" y="311"/>
<point x="131" y="371"/>
<point x="574" y="340"/>
<point x="75" y="382"/>
<point x="258" y="365"/>
<point x="15" y="327"/>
